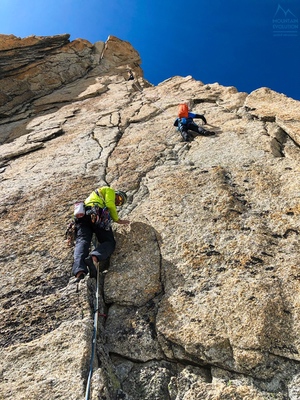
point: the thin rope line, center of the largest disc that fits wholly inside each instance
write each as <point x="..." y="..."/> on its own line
<point x="94" y="341"/>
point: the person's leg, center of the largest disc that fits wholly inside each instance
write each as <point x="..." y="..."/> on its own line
<point x="82" y="245"/>
<point x="207" y="133"/>
<point x="184" y="132"/>
<point x="106" y="245"/>
<point x="198" y="129"/>
<point x="195" y="128"/>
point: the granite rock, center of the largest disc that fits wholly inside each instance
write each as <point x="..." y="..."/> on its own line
<point x="201" y="297"/>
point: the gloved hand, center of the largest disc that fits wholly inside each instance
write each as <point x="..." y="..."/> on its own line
<point x="203" y="118"/>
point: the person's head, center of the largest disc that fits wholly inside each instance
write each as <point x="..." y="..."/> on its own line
<point x="120" y="198"/>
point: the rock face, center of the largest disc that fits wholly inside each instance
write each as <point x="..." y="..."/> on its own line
<point x="42" y="73"/>
<point x="202" y="294"/>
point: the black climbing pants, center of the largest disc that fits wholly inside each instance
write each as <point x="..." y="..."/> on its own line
<point x="191" y="126"/>
<point x="85" y="229"/>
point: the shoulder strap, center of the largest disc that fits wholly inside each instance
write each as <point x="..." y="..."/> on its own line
<point x="98" y="193"/>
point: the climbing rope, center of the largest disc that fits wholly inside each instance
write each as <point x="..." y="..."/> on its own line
<point x="94" y="340"/>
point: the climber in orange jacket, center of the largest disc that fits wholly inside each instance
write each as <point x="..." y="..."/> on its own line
<point x="185" y="123"/>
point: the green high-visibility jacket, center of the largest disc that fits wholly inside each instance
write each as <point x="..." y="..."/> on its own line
<point x="106" y="198"/>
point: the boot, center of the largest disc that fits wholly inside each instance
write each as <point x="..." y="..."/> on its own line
<point x="91" y="266"/>
<point x="79" y="276"/>
<point x="208" y="133"/>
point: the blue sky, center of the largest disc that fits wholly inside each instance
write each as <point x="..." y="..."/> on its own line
<point x="243" y="43"/>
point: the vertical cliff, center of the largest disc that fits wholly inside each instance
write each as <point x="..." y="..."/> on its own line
<point x="202" y="292"/>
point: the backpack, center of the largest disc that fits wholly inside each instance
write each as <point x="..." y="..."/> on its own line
<point x="183" y="111"/>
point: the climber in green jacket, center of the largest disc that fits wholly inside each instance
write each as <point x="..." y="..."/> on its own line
<point x="92" y="222"/>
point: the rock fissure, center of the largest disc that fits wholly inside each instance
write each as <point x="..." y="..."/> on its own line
<point x="201" y="291"/>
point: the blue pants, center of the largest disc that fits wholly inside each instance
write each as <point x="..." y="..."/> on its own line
<point x="85" y="229"/>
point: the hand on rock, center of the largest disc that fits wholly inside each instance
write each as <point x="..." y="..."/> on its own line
<point x="123" y="221"/>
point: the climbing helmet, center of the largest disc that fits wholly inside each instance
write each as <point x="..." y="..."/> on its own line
<point x="121" y="196"/>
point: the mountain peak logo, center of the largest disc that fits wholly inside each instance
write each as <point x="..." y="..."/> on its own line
<point x="286" y="13"/>
<point x="285" y="22"/>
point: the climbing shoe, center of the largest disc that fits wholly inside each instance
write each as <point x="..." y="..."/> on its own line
<point x="91" y="266"/>
<point x="208" y="133"/>
<point x="79" y="277"/>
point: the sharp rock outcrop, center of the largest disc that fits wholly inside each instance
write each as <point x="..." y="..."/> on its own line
<point x="202" y="294"/>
